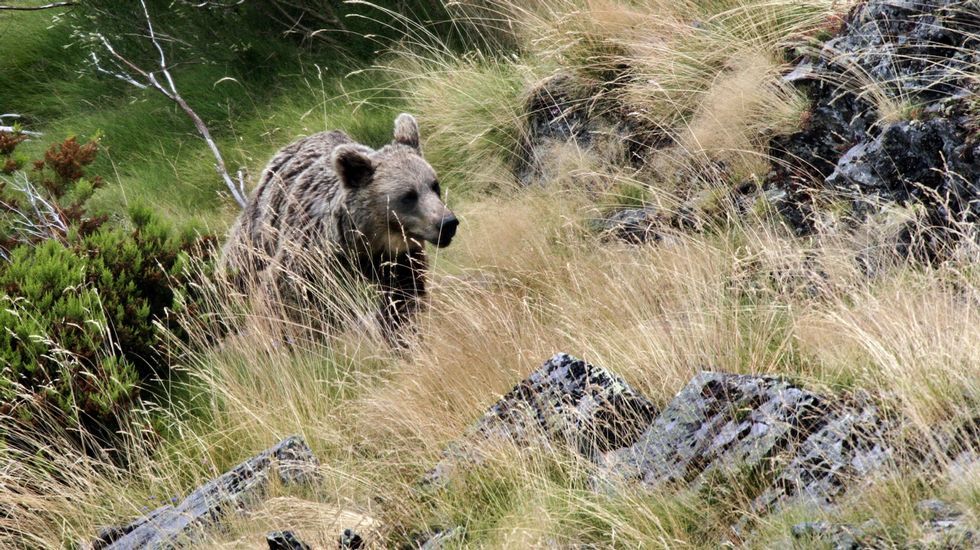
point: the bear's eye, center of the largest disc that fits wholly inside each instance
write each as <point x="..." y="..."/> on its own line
<point x="435" y="188"/>
<point x="410" y="197"/>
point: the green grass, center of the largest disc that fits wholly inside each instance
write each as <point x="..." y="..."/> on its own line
<point x="257" y="91"/>
<point x="151" y="152"/>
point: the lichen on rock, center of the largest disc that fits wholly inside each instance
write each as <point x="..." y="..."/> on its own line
<point x="567" y="402"/>
<point x="891" y="119"/>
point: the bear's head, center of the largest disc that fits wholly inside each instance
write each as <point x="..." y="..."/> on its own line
<point x="393" y="194"/>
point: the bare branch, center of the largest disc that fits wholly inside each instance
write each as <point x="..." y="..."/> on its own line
<point x="121" y="76"/>
<point x="237" y="192"/>
<point x="214" y="4"/>
<point x="46" y="222"/>
<point x="13" y="130"/>
<point x="44" y="7"/>
<point x="134" y="75"/>
<point x="112" y="51"/>
<point x="153" y="36"/>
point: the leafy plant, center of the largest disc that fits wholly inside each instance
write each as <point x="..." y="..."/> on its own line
<point x="81" y="299"/>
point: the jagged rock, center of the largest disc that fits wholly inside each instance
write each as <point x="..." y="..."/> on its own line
<point x="838" y="537"/>
<point x="929" y="162"/>
<point x="291" y="460"/>
<point x="566" y="402"/>
<point x="851" y="444"/>
<point x="110" y="534"/>
<point x="926" y="46"/>
<point x="633" y="225"/>
<point x="905" y="161"/>
<point x="790" y="442"/>
<point x="718" y="421"/>
<point x="350" y="540"/>
<point x="285" y="540"/>
<point x="921" y="51"/>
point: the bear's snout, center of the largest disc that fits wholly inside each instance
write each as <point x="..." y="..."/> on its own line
<point x="447" y="230"/>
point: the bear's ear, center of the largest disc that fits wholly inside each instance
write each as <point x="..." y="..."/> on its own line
<point x="353" y="165"/>
<point x="407" y="131"/>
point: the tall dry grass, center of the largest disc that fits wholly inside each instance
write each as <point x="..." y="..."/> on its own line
<point x="527" y="277"/>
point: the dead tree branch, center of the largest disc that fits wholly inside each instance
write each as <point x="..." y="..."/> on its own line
<point x="14" y="129"/>
<point x="126" y="70"/>
<point x="215" y="4"/>
<point x="43" y="220"/>
<point x="44" y="7"/>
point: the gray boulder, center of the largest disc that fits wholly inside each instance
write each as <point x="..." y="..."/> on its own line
<point x="795" y="444"/>
<point x="785" y="444"/>
<point x="718" y="421"/>
<point x="849" y="444"/>
<point x="566" y="403"/>
<point x="291" y="461"/>
<point x="920" y="51"/>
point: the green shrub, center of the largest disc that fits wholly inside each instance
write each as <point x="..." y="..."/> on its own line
<point x="78" y="308"/>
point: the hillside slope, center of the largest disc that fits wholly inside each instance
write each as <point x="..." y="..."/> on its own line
<point x="658" y="188"/>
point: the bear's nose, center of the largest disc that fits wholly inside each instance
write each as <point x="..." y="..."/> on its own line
<point x="449" y="225"/>
<point x="447" y="230"/>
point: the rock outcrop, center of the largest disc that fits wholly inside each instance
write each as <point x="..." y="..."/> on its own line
<point x="849" y="444"/>
<point x="892" y="119"/>
<point x="735" y="425"/>
<point x="291" y="461"/>
<point x="793" y="444"/>
<point x="567" y="402"/>
<point x="717" y="421"/>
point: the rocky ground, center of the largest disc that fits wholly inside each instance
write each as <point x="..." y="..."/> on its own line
<point x="767" y="436"/>
<point x="918" y="146"/>
<point x="892" y="121"/>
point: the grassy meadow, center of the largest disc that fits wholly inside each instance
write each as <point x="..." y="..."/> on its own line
<point x="527" y="276"/>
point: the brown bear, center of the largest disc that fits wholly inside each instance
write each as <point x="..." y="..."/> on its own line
<point x="325" y="197"/>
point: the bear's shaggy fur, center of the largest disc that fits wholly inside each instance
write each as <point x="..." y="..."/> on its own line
<point x="325" y="197"/>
